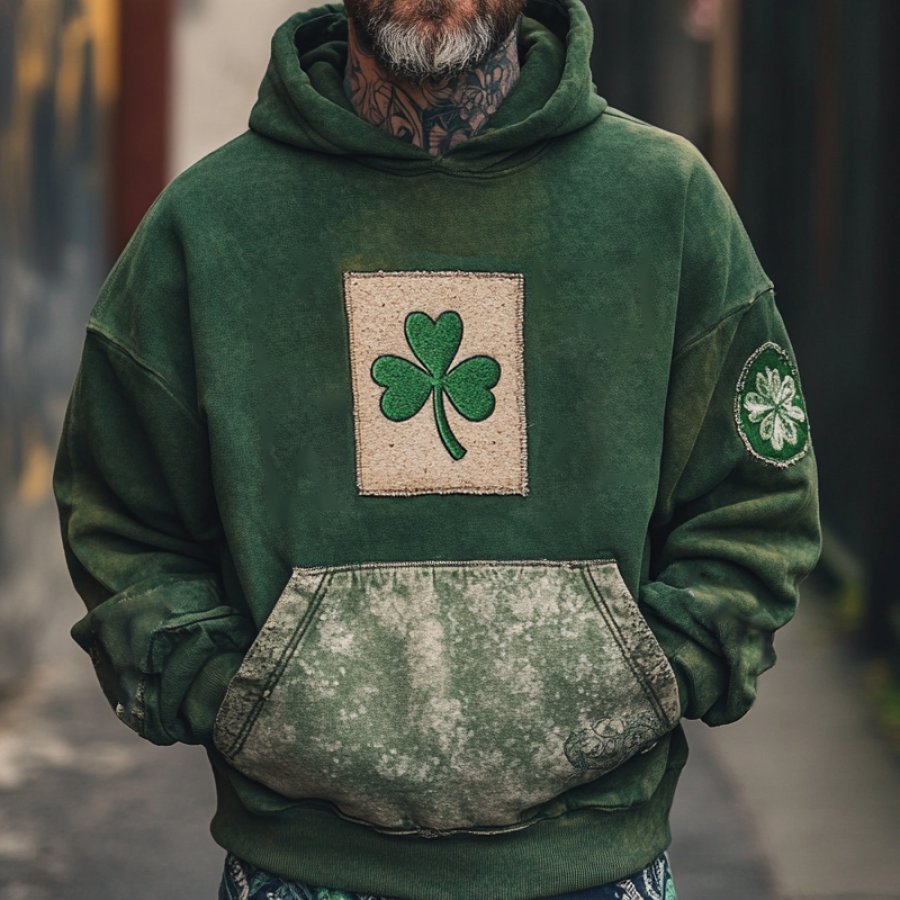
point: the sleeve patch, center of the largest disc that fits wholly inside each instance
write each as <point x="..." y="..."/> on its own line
<point x="769" y="408"/>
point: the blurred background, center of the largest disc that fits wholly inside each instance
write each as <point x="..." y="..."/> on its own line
<point x="794" y="102"/>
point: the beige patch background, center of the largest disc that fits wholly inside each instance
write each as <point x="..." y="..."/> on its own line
<point x="400" y="458"/>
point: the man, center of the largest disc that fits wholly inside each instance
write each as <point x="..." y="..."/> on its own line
<point x="436" y="447"/>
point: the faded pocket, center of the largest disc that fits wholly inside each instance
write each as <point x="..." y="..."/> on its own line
<point x="447" y="696"/>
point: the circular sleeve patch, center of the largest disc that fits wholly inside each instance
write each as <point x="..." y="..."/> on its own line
<point x="769" y="408"/>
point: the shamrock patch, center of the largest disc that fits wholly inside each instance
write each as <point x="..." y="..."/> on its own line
<point x="435" y="344"/>
<point x="769" y="408"/>
<point x="438" y="379"/>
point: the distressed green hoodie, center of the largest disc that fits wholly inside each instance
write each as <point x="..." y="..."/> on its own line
<point x="428" y="495"/>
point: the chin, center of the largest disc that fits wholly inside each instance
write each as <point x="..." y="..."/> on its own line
<point x="422" y="39"/>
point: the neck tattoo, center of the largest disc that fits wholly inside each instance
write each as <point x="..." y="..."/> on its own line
<point x="435" y="114"/>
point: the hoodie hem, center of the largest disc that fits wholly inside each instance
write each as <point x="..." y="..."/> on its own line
<point x="577" y="850"/>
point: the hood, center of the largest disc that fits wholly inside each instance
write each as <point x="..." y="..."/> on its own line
<point x="302" y="102"/>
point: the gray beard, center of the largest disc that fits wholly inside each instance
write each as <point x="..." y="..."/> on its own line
<point x="406" y="53"/>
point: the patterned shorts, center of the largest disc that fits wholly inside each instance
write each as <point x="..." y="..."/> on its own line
<point x="243" y="881"/>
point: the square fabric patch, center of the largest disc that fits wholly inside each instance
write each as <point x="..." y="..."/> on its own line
<point x="438" y="382"/>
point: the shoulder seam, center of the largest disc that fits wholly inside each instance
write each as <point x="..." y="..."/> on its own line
<point x="93" y="328"/>
<point x="620" y="114"/>
<point x="617" y="113"/>
<point x="738" y="310"/>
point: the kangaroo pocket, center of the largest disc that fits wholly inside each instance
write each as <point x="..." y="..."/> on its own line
<point x="446" y="696"/>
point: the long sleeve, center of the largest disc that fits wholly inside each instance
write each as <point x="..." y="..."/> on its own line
<point x="736" y="524"/>
<point x="139" y="520"/>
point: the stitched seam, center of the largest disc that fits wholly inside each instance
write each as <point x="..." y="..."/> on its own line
<point x="153" y="641"/>
<point x="94" y="329"/>
<point x="459" y="489"/>
<point x="689" y="345"/>
<point x="739" y="389"/>
<point x="451" y="563"/>
<point x="710" y="329"/>
<point x="353" y="356"/>
<point x="613" y="626"/>
<point x="617" y="113"/>
<point x="355" y="365"/>
<point x="428" y="273"/>
<point x="520" y="358"/>
<point x="684" y="207"/>
<point x="181" y="626"/>
<point x="287" y="653"/>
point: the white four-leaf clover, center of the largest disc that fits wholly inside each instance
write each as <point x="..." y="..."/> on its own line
<point x="772" y="405"/>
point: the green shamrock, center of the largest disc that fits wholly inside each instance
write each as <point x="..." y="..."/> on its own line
<point x="407" y="386"/>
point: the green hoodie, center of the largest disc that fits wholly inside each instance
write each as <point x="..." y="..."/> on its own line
<point x="428" y="494"/>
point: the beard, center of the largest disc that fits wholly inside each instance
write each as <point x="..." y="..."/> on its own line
<point x="424" y="39"/>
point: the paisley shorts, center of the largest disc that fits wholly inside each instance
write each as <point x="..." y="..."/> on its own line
<point x="243" y="881"/>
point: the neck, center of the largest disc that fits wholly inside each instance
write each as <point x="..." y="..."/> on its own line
<point x="435" y="114"/>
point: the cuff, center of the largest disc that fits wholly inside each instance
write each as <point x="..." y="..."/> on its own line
<point x="702" y="676"/>
<point x="702" y="681"/>
<point x="204" y="697"/>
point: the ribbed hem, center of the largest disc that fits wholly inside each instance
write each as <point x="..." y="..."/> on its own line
<point x="575" y="851"/>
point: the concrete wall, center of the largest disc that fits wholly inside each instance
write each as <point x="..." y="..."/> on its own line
<point x="57" y="84"/>
<point x="221" y="50"/>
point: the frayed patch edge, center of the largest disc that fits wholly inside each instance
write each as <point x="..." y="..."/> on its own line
<point x="739" y="388"/>
<point x="523" y="489"/>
